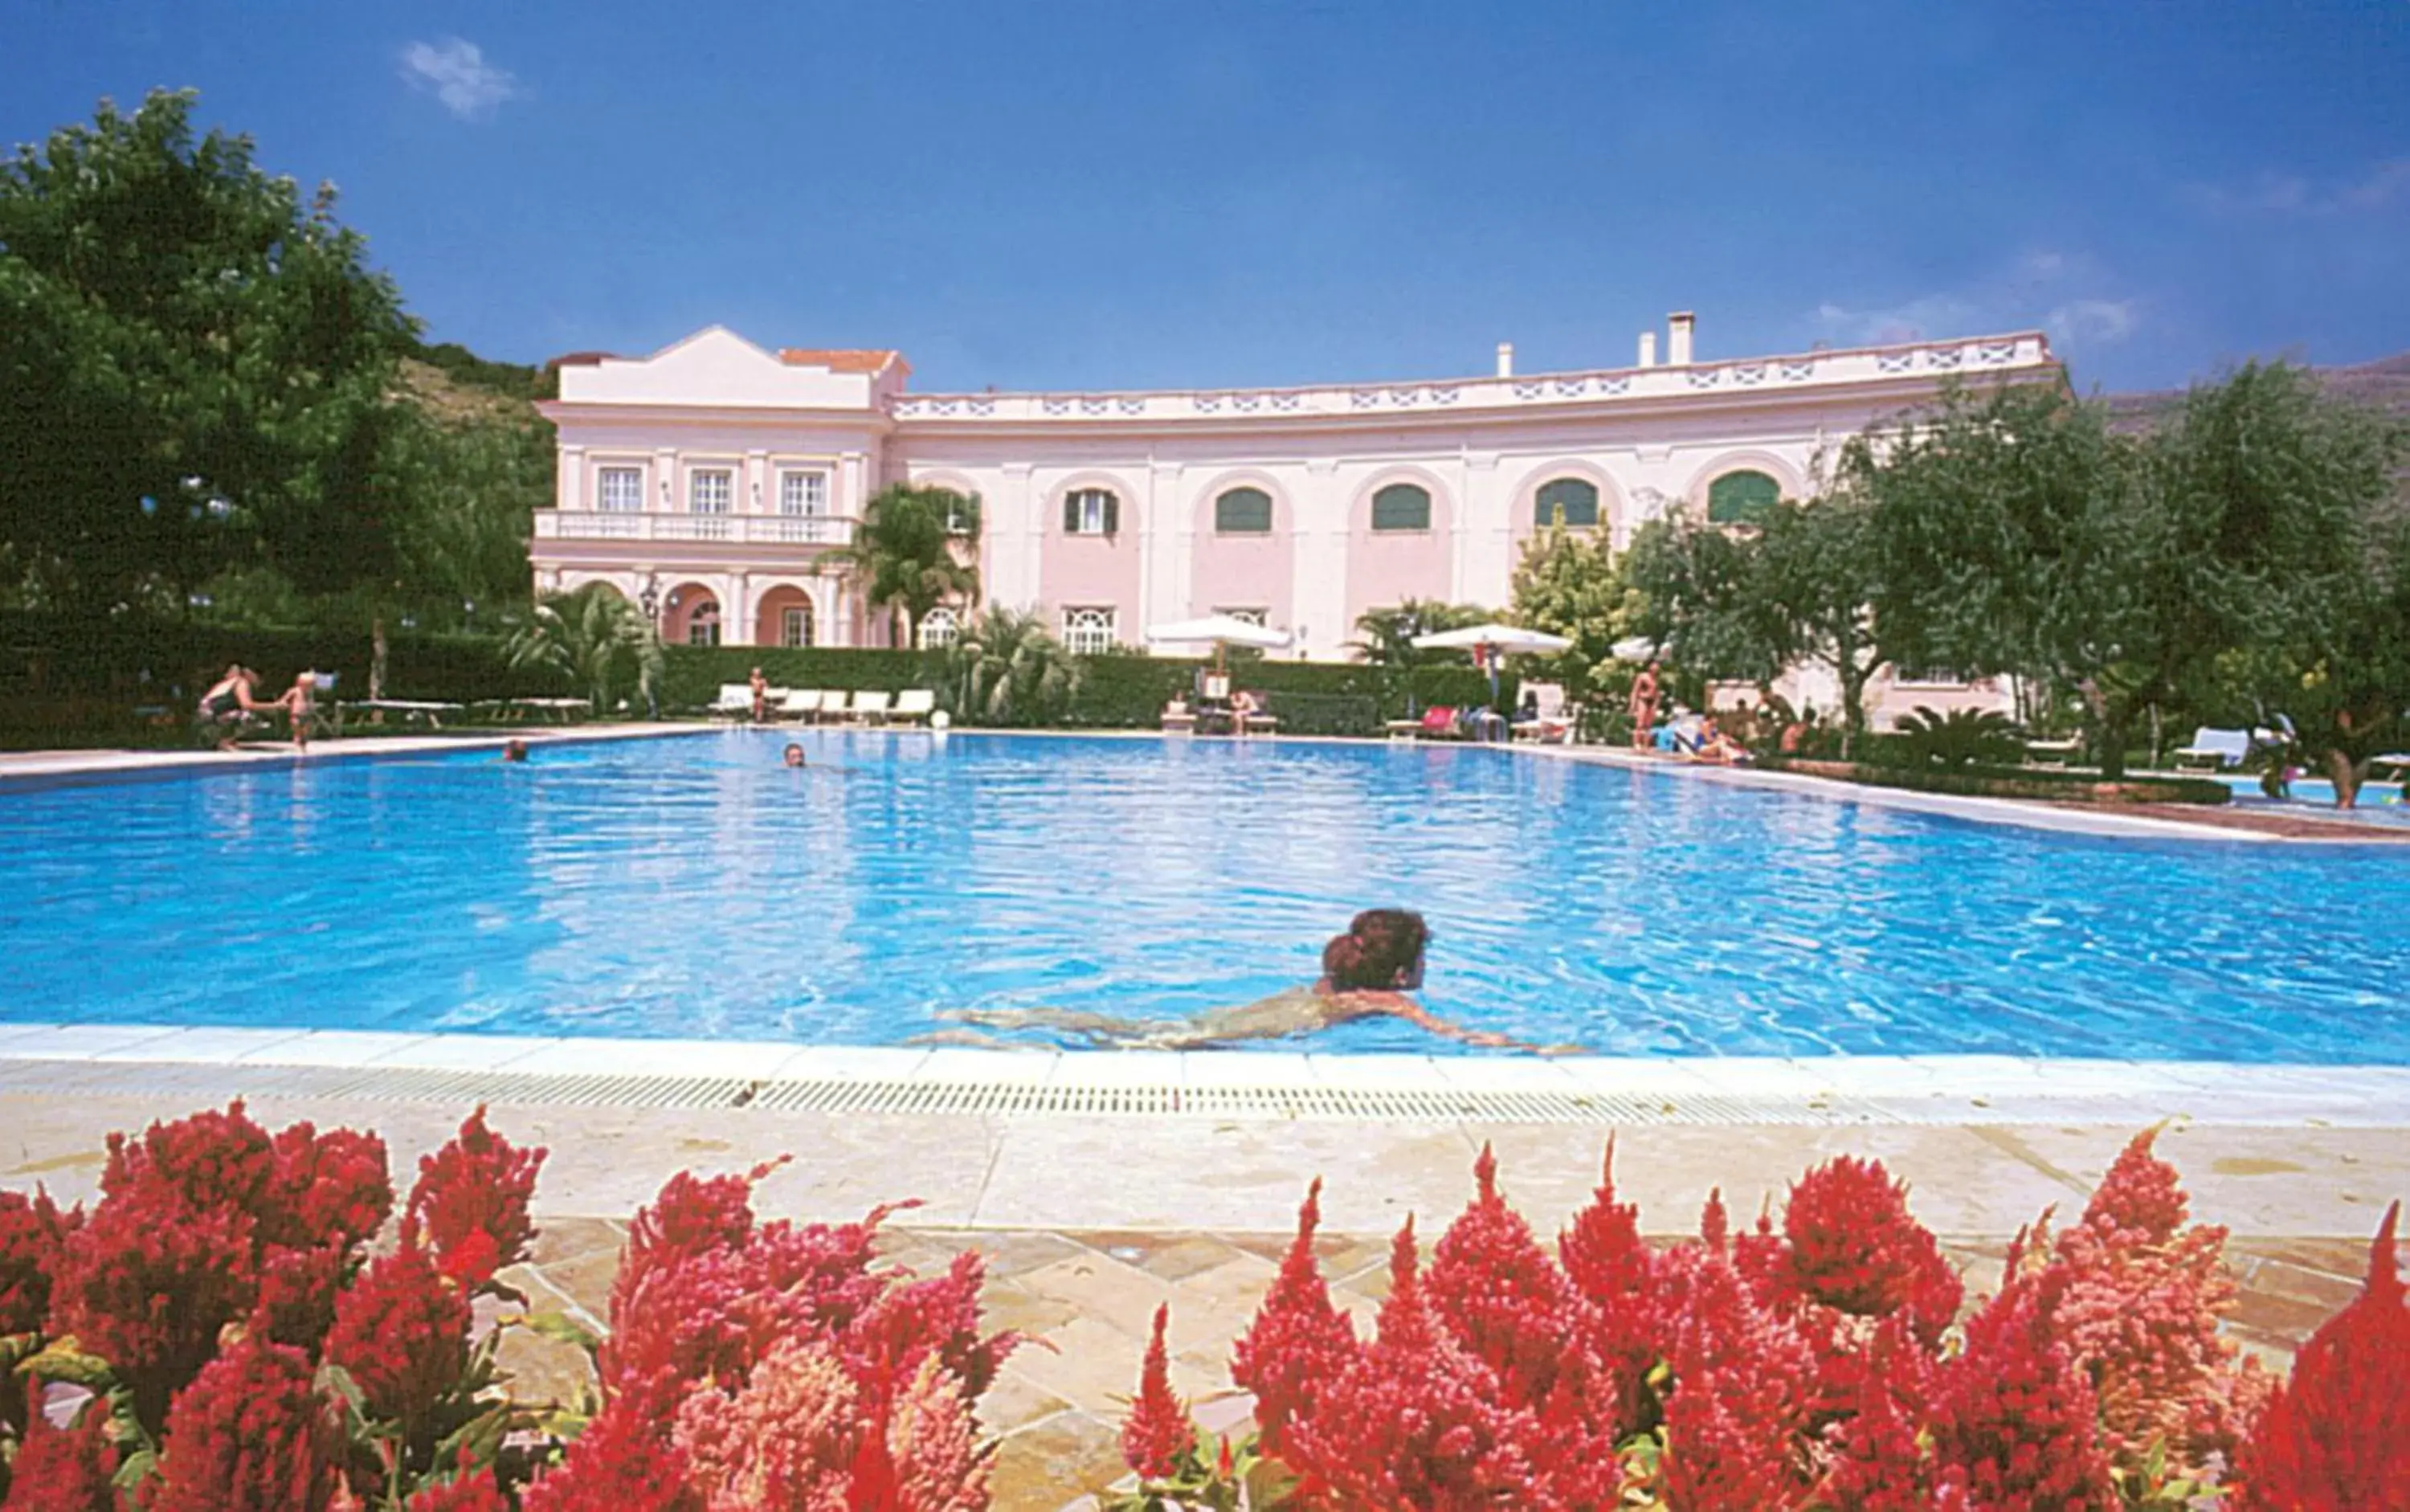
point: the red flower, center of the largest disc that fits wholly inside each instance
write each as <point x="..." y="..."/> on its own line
<point x="1298" y="1342"/>
<point x="476" y="1492"/>
<point x="401" y="1330"/>
<point x="1743" y="1382"/>
<point x="1855" y="1248"/>
<point x="210" y="1160"/>
<point x="2014" y="1421"/>
<point x="471" y="1202"/>
<point x="330" y="1186"/>
<point x="148" y="1284"/>
<point x="33" y="1233"/>
<point x="296" y="1294"/>
<point x="249" y="1435"/>
<point x="1158" y="1431"/>
<point x="2338" y="1439"/>
<point x="622" y="1462"/>
<point x="61" y="1470"/>
<point x="1614" y="1272"/>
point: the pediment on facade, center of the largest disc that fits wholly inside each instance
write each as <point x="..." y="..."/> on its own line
<point x="715" y="367"/>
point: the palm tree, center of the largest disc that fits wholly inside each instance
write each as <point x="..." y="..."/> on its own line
<point x="916" y="549"/>
<point x="1389" y="643"/>
<point x="592" y="636"/>
<point x="1005" y="669"/>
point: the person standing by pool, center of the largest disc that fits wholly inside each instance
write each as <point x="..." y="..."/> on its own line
<point x="1365" y="973"/>
<point x="300" y="704"/>
<point x="230" y="704"/>
<point x="1642" y="706"/>
<point x="760" y="687"/>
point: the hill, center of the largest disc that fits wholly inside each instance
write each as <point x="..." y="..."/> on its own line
<point x="2383" y="384"/>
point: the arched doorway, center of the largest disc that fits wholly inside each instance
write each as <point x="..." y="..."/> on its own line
<point x="786" y="617"/>
<point x="690" y="615"/>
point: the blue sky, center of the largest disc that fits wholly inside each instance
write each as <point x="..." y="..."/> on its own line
<point x="1066" y="195"/>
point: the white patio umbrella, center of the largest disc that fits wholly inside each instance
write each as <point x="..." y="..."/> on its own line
<point x="1493" y="639"/>
<point x="1634" y="648"/>
<point x="1220" y="630"/>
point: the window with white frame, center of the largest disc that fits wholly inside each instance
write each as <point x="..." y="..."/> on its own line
<point x="1091" y="512"/>
<point x="939" y="628"/>
<point x="620" y="490"/>
<point x="795" y="625"/>
<point x="1089" y="631"/>
<point x="708" y="491"/>
<point x="802" y="493"/>
<point x="703" y="625"/>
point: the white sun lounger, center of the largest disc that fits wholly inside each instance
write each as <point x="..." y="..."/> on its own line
<point x="2216" y="747"/>
<point x="735" y="698"/>
<point x="800" y="705"/>
<point x="913" y="706"/>
<point x="868" y="708"/>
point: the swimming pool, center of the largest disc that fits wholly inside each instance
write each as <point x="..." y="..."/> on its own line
<point x="693" y="887"/>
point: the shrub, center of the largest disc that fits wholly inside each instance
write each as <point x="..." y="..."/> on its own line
<point x="1960" y="738"/>
<point x="1820" y="1364"/>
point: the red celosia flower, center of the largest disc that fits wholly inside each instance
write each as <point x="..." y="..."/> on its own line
<point x="1158" y="1431"/>
<point x="60" y="1470"/>
<point x="1413" y="1421"/>
<point x="2014" y="1421"/>
<point x="478" y="1492"/>
<point x="296" y="1294"/>
<point x="33" y="1233"/>
<point x="1298" y="1342"/>
<point x="1743" y="1382"/>
<point x="1877" y="1463"/>
<point x="212" y="1159"/>
<point x="329" y="1186"/>
<point x="1715" y="1225"/>
<point x="470" y="1203"/>
<point x="2338" y="1438"/>
<point x="788" y="1437"/>
<point x="401" y="1330"/>
<point x="249" y="1435"/>
<point x="2141" y="1194"/>
<point x="148" y="1284"/>
<point x="1854" y="1247"/>
<point x="1616" y="1274"/>
<point x="935" y="1461"/>
<point x="622" y="1462"/>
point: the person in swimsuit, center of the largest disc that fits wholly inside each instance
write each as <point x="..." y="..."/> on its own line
<point x="230" y="704"/>
<point x="760" y="687"/>
<point x="1365" y="973"/>
<point x="301" y="704"/>
<point x="514" y="751"/>
<point x="1643" y="707"/>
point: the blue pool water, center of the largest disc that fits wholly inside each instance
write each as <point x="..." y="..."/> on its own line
<point x="694" y="887"/>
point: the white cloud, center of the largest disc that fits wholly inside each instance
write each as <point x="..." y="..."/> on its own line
<point x="458" y="74"/>
<point x="2066" y="294"/>
<point x="2289" y="194"/>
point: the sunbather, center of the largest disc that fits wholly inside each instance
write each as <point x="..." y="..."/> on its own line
<point x="1365" y="973"/>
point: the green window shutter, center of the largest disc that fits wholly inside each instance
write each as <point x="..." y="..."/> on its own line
<point x="1576" y="498"/>
<point x="1243" y="512"/>
<point x="1742" y="498"/>
<point x="1071" y="513"/>
<point x="1112" y="514"/>
<point x="1401" y="506"/>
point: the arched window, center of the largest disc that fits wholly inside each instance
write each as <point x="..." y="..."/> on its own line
<point x="1401" y="506"/>
<point x="1243" y="512"/>
<point x="939" y="628"/>
<point x="1573" y="502"/>
<point x="1092" y="511"/>
<point x="1742" y="498"/>
<point x="795" y="624"/>
<point x="702" y="624"/>
<point x="1089" y="631"/>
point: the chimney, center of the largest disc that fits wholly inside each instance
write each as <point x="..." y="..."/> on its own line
<point x="1648" y="349"/>
<point x="1677" y="338"/>
<point x="1505" y="359"/>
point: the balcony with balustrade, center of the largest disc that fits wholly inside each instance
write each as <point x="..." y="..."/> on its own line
<point x="778" y="538"/>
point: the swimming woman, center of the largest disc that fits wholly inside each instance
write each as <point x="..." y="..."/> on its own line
<point x="1365" y="973"/>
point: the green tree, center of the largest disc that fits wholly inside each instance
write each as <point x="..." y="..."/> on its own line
<point x="916" y="549"/>
<point x="1569" y="584"/>
<point x="1696" y="594"/>
<point x="596" y="639"/>
<point x="193" y="365"/>
<point x="1004" y="669"/>
<point x="1817" y="572"/>
<point x="467" y="494"/>
<point x="1387" y="641"/>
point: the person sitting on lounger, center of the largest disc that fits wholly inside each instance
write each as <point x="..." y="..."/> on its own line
<point x="1716" y="746"/>
<point x="230" y="704"/>
<point x="1365" y="973"/>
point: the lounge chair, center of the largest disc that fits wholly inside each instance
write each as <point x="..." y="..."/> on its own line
<point x="735" y="701"/>
<point x="802" y="705"/>
<point x="867" y="709"/>
<point x="2397" y="761"/>
<point x="1258" y="722"/>
<point x="913" y="706"/>
<point x="1550" y="719"/>
<point x="2215" y="748"/>
<point x="1439" y="722"/>
<point x="1402" y="729"/>
<point x="2053" y="752"/>
<point x="1179" y="719"/>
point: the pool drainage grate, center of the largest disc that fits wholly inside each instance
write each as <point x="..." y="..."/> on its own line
<point x="206" y="1081"/>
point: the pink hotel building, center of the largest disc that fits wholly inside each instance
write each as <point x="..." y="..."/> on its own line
<point x="718" y="476"/>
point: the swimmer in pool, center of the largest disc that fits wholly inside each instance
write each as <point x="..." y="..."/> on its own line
<point x="1365" y="973"/>
<point x="795" y="755"/>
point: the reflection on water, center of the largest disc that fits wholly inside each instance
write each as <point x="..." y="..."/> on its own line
<point x="696" y="887"/>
